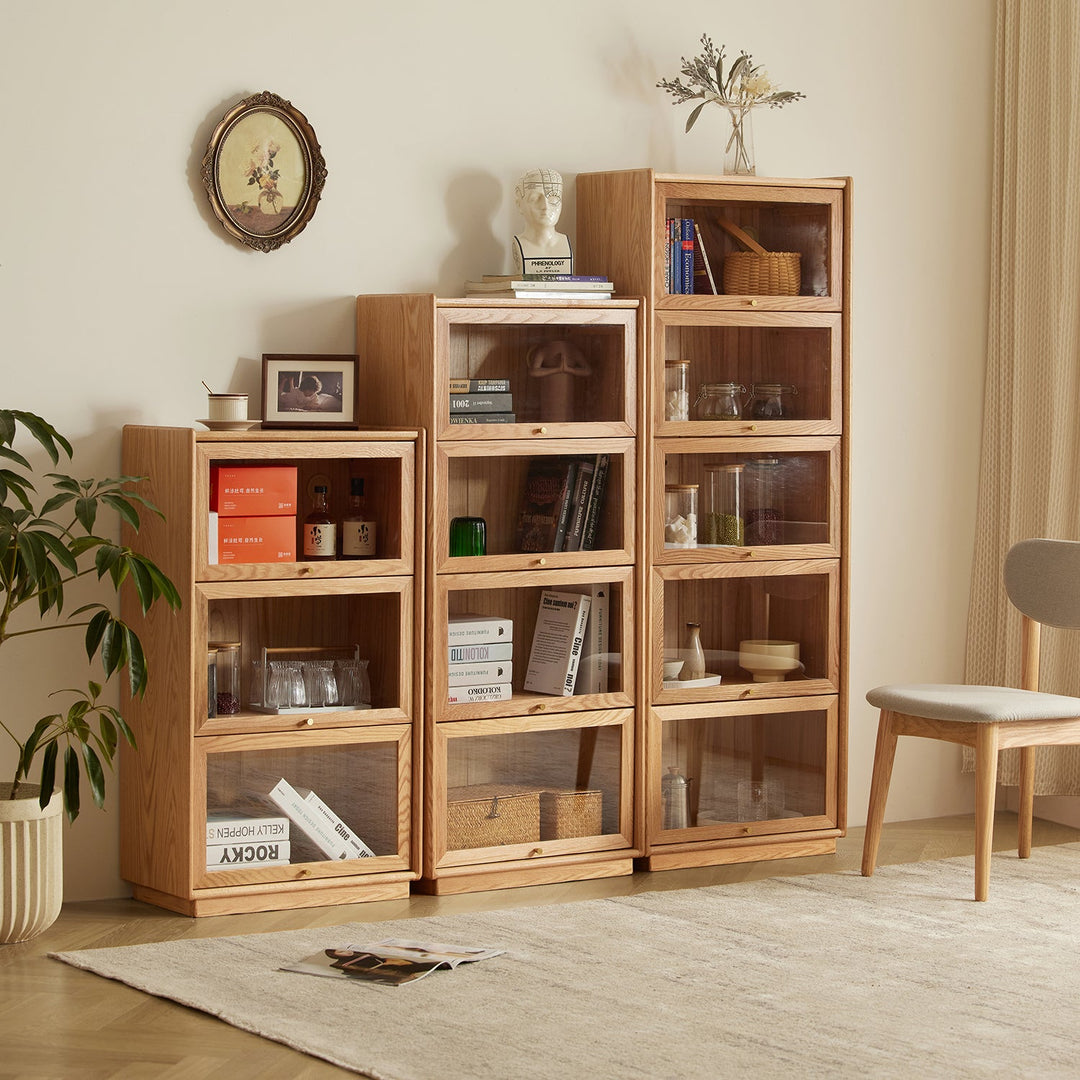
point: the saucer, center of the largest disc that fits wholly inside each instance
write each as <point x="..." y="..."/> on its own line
<point x="230" y="425"/>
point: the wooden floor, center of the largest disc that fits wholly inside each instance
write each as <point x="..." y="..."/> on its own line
<point x="59" y="1023"/>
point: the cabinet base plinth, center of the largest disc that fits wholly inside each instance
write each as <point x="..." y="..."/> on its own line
<point x="468" y="879"/>
<point x="687" y="857"/>
<point x="279" y="897"/>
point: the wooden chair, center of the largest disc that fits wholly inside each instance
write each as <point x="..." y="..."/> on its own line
<point x="1042" y="579"/>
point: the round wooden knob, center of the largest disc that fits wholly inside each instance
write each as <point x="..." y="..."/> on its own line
<point x="538" y="851"/>
<point x="541" y="562"/>
<point x="753" y="303"/>
<point x="307" y="722"/>
<point x="541" y="431"/>
<point x="538" y="708"/>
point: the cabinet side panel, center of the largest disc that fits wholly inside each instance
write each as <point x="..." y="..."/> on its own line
<point x="155" y="779"/>
<point x="615" y="228"/>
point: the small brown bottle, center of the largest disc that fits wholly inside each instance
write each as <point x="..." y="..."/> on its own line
<point x="320" y="531"/>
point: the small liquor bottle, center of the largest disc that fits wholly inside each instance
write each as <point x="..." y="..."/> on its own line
<point x="357" y="527"/>
<point x="320" y="532"/>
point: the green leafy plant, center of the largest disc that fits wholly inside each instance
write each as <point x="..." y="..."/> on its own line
<point x="744" y="86"/>
<point x="43" y="550"/>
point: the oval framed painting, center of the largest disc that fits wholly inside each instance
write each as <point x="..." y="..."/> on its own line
<point x="264" y="171"/>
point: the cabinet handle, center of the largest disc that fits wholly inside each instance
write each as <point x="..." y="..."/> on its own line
<point x="746" y="829"/>
<point x="748" y="554"/>
<point x="536" y="851"/>
<point x="753" y="303"/>
<point x="541" y="431"/>
<point x="305" y="569"/>
<point x="541" y="562"/>
<point x="746" y="693"/>
<point x="753" y="427"/>
<point x="307" y="722"/>
<point x="538" y="708"/>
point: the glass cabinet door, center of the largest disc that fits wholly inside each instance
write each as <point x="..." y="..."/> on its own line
<point x="513" y="789"/>
<point x="748" y="768"/>
<point x="277" y="802"/>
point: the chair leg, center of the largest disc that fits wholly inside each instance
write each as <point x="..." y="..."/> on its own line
<point x="1027" y="800"/>
<point x="986" y="762"/>
<point x="884" y="753"/>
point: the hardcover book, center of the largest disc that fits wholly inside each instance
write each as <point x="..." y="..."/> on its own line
<point x="484" y="418"/>
<point x="593" y="669"/>
<point x="481" y="403"/>
<point x="557" y="641"/>
<point x="596" y="502"/>
<point x="471" y="674"/>
<point x="579" y="505"/>
<point x="225" y="828"/>
<point x="545" y="504"/>
<point x="479" y="386"/>
<point x="260" y="853"/>
<point x="484" y="692"/>
<point x="483" y="653"/>
<point x="472" y="629"/>
<point x="317" y="822"/>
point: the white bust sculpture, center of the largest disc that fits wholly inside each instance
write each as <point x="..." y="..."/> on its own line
<point x="538" y="248"/>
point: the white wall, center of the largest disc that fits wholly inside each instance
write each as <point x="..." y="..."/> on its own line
<point x="119" y="292"/>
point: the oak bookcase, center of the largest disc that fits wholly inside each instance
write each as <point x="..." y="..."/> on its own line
<point x="741" y="769"/>
<point x="578" y="752"/>
<point x="363" y="763"/>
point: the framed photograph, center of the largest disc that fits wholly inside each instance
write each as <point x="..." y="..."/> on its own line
<point x="264" y="171"/>
<point x="309" y="391"/>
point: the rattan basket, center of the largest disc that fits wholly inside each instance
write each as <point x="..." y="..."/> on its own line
<point x="489" y="815"/>
<point x="758" y="272"/>
<point x="565" y="814"/>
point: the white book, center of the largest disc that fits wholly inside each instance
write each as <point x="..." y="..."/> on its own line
<point x="483" y="692"/>
<point x="360" y="849"/>
<point x="471" y="674"/>
<point x="240" y="828"/>
<point x="593" y="670"/>
<point x="474" y="629"/>
<point x="474" y="654"/>
<point x="311" y="823"/>
<point x="556" y="643"/>
<point x="255" y="853"/>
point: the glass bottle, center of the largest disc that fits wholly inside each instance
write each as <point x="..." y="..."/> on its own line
<point x="320" y="532"/>
<point x="677" y="390"/>
<point x="680" y="516"/>
<point x="772" y="401"/>
<point x="719" y="401"/>
<point x="723" y="521"/>
<point x="764" y="509"/>
<point x="357" y="527"/>
<point x="694" y="664"/>
<point x="674" y="796"/>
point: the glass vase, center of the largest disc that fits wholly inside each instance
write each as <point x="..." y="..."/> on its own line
<point x="739" y="150"/>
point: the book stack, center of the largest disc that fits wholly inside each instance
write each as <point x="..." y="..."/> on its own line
<point x="557" y="642"/>
<point x="481" y="658"/>
<point x="330" y="835"/>
<point x="481" y="401"/>
<point x="687" y="269"/>
<point x="562" y="502"/>
<point x="237" y="840"/>
<point x="541" y="287"/>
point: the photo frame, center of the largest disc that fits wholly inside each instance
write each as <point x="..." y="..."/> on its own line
<point x="310" y="390"/>
<point x="264" y="171"/>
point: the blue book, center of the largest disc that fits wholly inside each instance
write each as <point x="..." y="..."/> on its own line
<point x="686" y="259"/>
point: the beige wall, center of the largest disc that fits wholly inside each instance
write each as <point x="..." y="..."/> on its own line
<point x="119" y="293"/>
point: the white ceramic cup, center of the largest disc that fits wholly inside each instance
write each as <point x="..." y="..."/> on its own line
<point x="227" y="406"/>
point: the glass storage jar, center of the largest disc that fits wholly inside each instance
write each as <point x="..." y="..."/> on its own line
<point x="680" y="515"/>
<point x="723" y="522"/>
<point x="719" y="401"/>
<point x="772" y="401"/>
<point x="677" y="390"/>
<point x="223" y="658"/>
<point x="764" y="501"/>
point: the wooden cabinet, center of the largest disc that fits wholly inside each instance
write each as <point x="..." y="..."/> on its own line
<point x="748" y="762"/>
<point x="200" y="756"/>
<point x="531" y="787"/>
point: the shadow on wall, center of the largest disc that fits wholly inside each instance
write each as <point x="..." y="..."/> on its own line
<point x="472" y="201"/>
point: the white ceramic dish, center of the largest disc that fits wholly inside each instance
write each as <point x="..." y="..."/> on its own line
<point x="230" y="425"/>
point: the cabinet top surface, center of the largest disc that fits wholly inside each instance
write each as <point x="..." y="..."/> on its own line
<point x="258" y="435"/>
<point x="752" y="181"/>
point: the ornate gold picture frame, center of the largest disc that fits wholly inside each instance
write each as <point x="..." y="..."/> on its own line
<point x="264" y="171"/>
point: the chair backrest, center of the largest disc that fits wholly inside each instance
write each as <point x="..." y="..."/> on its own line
<point x="1042" y="578"/>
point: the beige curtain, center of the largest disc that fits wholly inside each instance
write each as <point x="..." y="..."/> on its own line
<point x="1030" y="467"/>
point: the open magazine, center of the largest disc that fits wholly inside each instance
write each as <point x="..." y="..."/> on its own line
<point x="390" y="962"/>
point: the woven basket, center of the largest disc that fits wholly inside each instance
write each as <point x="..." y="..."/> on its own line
<point x="489" y="815"/>
<point x="564" y="814"/>
<point x="758" y="272"/>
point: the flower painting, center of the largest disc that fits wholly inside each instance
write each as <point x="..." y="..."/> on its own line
<point x="264" y="171"/>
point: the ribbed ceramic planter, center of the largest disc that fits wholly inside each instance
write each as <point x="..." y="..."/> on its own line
<point x="31" y="864"/>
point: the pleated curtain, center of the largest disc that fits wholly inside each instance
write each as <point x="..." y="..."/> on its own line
<point x="1029" y="482"/>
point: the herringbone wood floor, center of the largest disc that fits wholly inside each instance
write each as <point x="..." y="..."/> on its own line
<point x="59" y="1023"/>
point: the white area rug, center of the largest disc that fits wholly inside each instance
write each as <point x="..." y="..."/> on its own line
<point x="831" y="975"/>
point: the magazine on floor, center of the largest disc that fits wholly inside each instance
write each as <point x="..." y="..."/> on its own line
<point x="390" y="962"/>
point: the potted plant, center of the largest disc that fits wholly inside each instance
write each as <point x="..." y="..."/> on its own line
<point x="46" y="543"/>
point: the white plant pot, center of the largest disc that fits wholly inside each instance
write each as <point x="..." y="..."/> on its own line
<point x="31" y="863"/>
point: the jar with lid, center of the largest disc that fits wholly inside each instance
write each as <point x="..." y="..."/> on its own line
<point x="675" y="798"/>
<point x="772" y="401"/>
<point x="764" y="501"/>
<point x="677" y="390"/>
<point x="723" y="521"/>
<point x="223" y="677"/>
<point x="680" y="515"/>
<point x="719" y="401"/>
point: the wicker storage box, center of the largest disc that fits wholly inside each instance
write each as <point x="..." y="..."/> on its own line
<point x="564" y="814"/>
<point x="758" y="272"/>
<point x="488" y="815"/>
